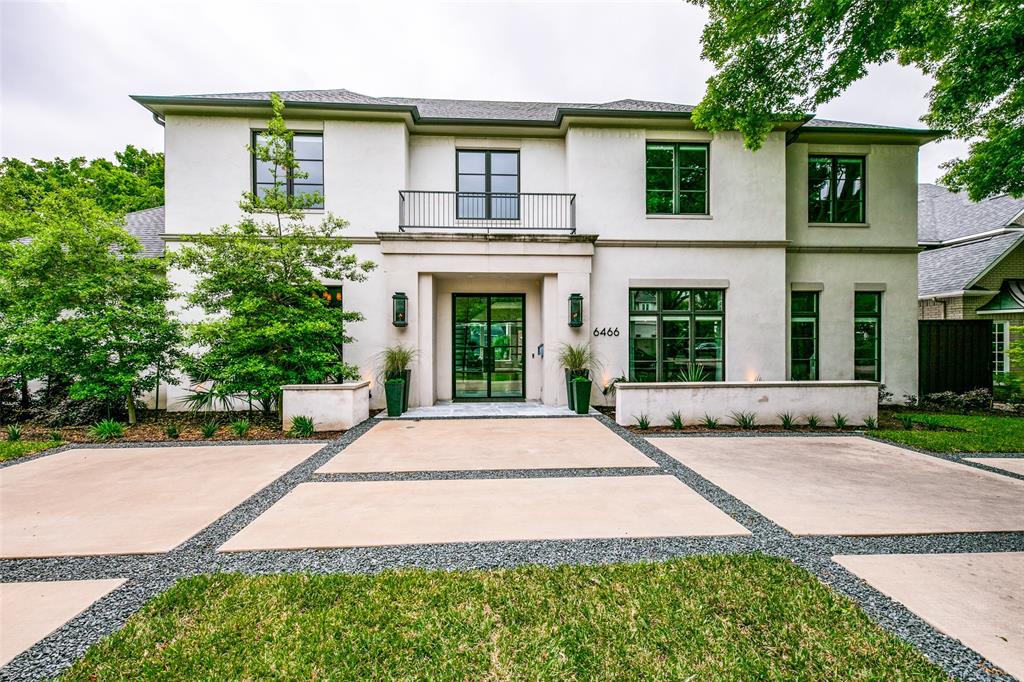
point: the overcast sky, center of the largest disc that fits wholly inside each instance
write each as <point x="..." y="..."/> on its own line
<point x="68" y="68"/>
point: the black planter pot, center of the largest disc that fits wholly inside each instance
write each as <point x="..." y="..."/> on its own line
<point x="405" y="375"/>
<point x="393" y="390"/>
<point x="571" y="374"/>
<point x="581" y="395"/>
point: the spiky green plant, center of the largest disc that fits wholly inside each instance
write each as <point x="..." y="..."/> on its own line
<point x="240" y="427"/>
<point x="302" y="426"/>
<point x="839" y="420"/>
<point x="210" y="428"/>
<point x="676" y="420"/>
<point x="395" y="360"/>
<point x="744" y="420"/>
<point x="813" y="421"/>
<point x="870" y="423"/>
<point x="107" y="429"/>
<point x="694" y="373"/>
<point x="56" y="436"/>
<point x="709" y="422"/>
<point x="577" y="358"/>
<point x="172" y="430"/>
<point x="906" y="421"/>
<point x="13" y="433"/>
<point x="787" y="420"/>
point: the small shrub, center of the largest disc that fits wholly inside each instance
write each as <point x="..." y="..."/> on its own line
<point x="709" y="422"/>
<point x="870" y="423"/>
<point x="302" y="427"/>
<point x="13" y="433"/>
<point x="813" y="421"/>
<point x="643" y="421"/>
<point x="107" y="429"/>
<point x="172" y="431"/>
<point x="910" y="400"/>
<point x="884" y="395"/>
<point x="787" y="420"/>
<point x="676" y="420"/>
<point x="56" y="436"/>
<point x="744" y="420"/>
<point x="840" y="420"/>
<point x="210" y="428"/>
<point x="240" y="427"/>
<point x="931" y="424"/>
<point x="907" y="422"/>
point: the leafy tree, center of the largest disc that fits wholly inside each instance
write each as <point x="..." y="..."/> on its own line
<point x="80" y="305"/>
<point x="134" y="182"/>
<point x="777" y="59"/>
<point x="260" y="285"/>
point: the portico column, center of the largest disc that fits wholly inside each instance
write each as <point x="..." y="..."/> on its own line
<point x="425" y="343"/>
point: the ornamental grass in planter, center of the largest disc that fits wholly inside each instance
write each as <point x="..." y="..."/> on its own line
<point x="577" y="361"/>
<point x="395" y="361"/>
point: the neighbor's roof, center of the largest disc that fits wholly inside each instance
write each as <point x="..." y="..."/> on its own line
<point x="148" y="227"/>
<point x="943" y="215"/>
<point x="950" y="269"/>
<point x="426" y="110"/>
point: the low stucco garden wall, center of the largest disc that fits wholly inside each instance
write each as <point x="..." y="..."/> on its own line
<point x="332" y="407"/>
<point x="766" y="399"/>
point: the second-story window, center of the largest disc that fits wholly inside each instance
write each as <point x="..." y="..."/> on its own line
<point x="487" y="184"/>
<point x="677" y="178"/>
<point x="835" y="189"/>
<point x="309" y="154"/>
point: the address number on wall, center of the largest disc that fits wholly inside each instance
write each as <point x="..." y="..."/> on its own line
<point x="606" y="331"/>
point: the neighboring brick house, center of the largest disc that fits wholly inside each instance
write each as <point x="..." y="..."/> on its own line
<point x="973" y="264"/>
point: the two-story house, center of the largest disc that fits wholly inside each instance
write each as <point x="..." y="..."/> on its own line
<point x="495" y="224"/>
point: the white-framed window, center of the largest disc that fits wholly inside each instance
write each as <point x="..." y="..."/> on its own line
<point x="1000" y="344"/>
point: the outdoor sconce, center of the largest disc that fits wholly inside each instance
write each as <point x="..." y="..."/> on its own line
<point x="400" y="308"/>
<point x="575" y="310"/>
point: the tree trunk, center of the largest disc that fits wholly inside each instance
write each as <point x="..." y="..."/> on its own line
<point x="26" y="399"/>
<point x="131" y="409"/>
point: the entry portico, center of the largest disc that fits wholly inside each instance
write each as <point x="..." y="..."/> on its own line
<point x="436" y="269"/>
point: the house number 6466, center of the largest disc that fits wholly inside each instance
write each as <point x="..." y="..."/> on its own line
<point x="606" y="331"/>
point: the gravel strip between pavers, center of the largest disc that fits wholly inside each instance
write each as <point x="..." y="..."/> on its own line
<point x="148" y="575"/>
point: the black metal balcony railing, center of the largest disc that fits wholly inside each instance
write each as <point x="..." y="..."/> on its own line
<point x="486" y="211"/>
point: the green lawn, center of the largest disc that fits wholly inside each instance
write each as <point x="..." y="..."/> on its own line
<point x="701" y="618"/>
<point x="9" y="450"/>
<point x="981" y="433"/>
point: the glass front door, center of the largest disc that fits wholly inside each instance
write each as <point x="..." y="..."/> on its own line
<point x="488" y="347"/>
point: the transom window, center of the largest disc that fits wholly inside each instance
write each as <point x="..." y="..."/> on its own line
<point x="676" y="334"/>
<point x="677" y="178"/>
<point x="803" y="336"/>
<point x="867" y="336"/>
<point x="308" y="149"/>
<point x="487" y="184"/>
<point x="835" y="189"/>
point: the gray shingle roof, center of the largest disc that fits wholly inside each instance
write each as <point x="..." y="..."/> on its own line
<point x="457" y="108"/>
<point x="953" y="268"/>
<point x="147" y="226"/>
<point x="943" y="215"/>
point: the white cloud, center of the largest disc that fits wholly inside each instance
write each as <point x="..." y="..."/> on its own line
<point x="68" y="68"/>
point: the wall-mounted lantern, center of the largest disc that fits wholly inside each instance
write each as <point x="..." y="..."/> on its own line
<point x="400" y="309"/>
<point x="575" y="310"/>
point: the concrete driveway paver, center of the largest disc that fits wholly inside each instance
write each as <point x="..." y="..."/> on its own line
<point x="1015" y="465"/>
<point x="130" y="500"/>
<point x="369" y="513"/>
<point x="30" y="611"/>
<point x="481" y="444"/>
<point x="975" y="598"/>
<point x="853" y="486"/>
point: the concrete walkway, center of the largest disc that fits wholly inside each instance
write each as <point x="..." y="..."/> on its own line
<point x="486" y="493"/>
<point x="446" y="409"/>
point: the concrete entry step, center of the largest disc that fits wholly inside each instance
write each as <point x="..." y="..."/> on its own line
<point x="447" y="408"/>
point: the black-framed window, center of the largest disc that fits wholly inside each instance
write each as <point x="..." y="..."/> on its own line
<point x="836" y="187"/>
<point x="803" y="336"/>
<point x="308" y="149"/>
<point x="488" y="184"/>
<point x="676" y="334"/>
<point x="867" y="335"/>
<point x="677" y="178"/>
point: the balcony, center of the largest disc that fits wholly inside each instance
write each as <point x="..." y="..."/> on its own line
<point x="486" y="211"/>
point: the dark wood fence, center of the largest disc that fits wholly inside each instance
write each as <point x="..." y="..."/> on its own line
<point x="954" y="355"/>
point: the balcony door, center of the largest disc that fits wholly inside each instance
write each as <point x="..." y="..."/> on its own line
<point x="488" y="347"/>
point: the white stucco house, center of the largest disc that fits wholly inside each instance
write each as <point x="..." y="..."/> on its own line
<point x="685" y="252"/>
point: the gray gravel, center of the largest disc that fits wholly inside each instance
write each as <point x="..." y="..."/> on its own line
<point x="148" y="575"/>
